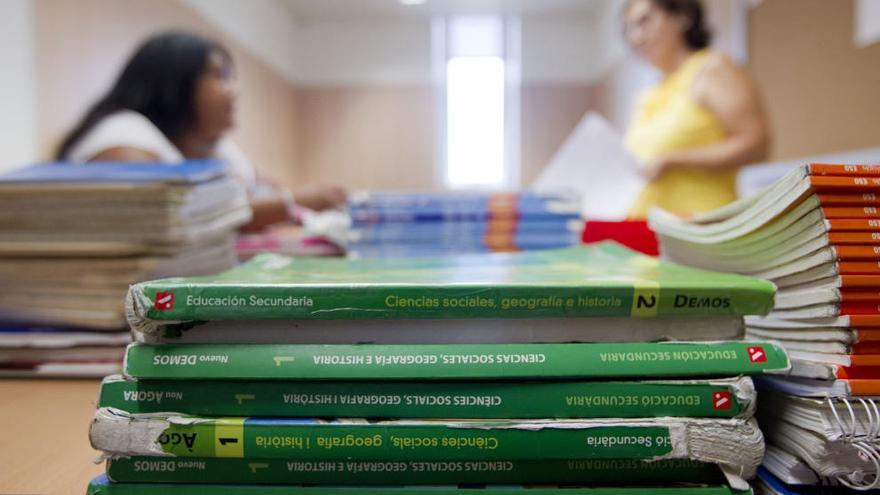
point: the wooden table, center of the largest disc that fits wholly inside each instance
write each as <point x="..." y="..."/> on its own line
<point x="44" y="443"/>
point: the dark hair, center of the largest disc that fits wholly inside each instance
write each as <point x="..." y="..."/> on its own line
<point x="697" y="35"/>
<point x="159" y="82"/>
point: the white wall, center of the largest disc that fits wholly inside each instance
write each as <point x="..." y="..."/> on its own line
<point x="563" y="51"/>
<point x="18" y="99"/>
<point x="340" y="53"/>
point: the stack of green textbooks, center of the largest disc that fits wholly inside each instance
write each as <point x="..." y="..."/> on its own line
<point x="591" y="366"/>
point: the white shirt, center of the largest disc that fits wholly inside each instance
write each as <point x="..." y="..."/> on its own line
<point x="130" y="129"/>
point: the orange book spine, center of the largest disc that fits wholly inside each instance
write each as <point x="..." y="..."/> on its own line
<point x="864" y="387"/>
<point x="864" y="360"/>
<point x="851" y="212"/>
<point x="840" y="169"/>
<point x="872" y="347"/>
<point x="850" y="296"/>
<point x="857" y="252"/>
<point x="844" y="238"/>
<point x="868" y="335"/>
<point x="847" y="183"/>
<point x="859" y="281"/>
<point x="858" y="268"/>
<point x="864" y="320"/>
<point x="858" y="372"/>
<point x="831" y="199"/>
<point x="857" y="224"/>
<point x="859" y="308"/>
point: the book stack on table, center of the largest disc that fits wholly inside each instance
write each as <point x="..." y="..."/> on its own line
<point x="73" y="237"/>
<point x="591" y="366"/>
<point x="425" y="224"/>
<point x="816" y="235"/>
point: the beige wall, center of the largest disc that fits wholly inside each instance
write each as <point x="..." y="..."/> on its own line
<point x="383" y="138"/>
<point x="81" y="45"/>
<point x="367" y="137"/>
<point x="822" y="93"/>
<point x="549" y="114"/>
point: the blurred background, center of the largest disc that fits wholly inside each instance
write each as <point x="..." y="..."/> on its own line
<point x="368" y="93"/>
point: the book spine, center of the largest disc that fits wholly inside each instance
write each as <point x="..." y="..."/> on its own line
<point x="864" y="320"/>
<point x="831" y="199"/>
<point x="857" y="252"/>
<point x="431" y="399"/>
<point x="859" y="281"/>
<point x="847" y="296"/>
<point x="837" y="238"/>
<point x="844" y="170"/>
<point x="859" y="308"/>
<point x="868" y="335"/>
<point x="851" y="212"/>
<point x="465" y="361"/>
<point x="844" y="184"/>
<point x="866" y="348"/>
<point x="297" y="439"/>
<point x="283" y="471"/>
<point x="853" y="224"/>
<point x="102" y="487"/>
<point x="167" y="300"/>
<point x="858" y="267"/>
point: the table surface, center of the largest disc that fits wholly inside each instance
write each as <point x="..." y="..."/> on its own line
<point x="44" y="442"/>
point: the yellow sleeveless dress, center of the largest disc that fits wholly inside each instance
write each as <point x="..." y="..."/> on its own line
<point x="669" y="119"/>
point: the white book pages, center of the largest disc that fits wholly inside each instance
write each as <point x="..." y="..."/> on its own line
<point x="807" y="345"/>
<point x="466" y="331"/>
<point x="792" y="298"/>
<point x="856" y="419"/>
<point x="787" y="467"/>
<point x="793" y="227"/>
<point x="847" y="462"/>
<point x="805" y="387"/>
<point x="844" y="336"/>
<point x="593" y="163"/>
<point x="54" y="339"/>
<point x="760" y="210"/>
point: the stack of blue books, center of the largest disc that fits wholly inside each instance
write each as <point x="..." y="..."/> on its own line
<point x="430" y="224"/>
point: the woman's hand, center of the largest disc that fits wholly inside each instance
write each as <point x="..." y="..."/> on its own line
<point x="321" y="197"/>
<point x="653" y="169"/>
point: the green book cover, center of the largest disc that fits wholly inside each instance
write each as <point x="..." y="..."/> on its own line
<point x="734" y="443"/>
<point x="354" y="471"/>
<point x="101" y="486"/>
<point x="592" y="280"/>
<point x="485" y="400"/>
<point x="453" y="361"/>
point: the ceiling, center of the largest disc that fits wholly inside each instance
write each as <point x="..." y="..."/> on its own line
<point x="306" y="11"/>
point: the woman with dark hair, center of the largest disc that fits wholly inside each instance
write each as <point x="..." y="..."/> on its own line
<point x="173" y="101"/>
<point x="701" y="123"/>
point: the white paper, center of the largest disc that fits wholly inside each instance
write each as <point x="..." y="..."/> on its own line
<point x="867" y="23"/>
<point x="593" y="163"/>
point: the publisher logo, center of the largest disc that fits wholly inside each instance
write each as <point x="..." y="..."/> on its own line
<point x="756" y="354"/>
<point x="164" y="301"/>
<point x="721" y="400"/>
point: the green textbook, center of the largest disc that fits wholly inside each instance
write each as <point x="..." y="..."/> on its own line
<point x="466" y="399"/>
<point x="734" y="443"/>
<point x="596" y="280"/>
<point x="102" y="486"/>
<point x="354" y="471"/>
<point x="454" y="362"/>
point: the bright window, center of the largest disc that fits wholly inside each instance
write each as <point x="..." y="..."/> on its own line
<point x="475" y="113"/>
<point x="475" y="121"/>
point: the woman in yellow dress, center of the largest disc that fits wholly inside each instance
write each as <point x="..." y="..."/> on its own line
<point x="701" y="123"/>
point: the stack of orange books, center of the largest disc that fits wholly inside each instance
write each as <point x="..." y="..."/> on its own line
<point x="815" y="233"/>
